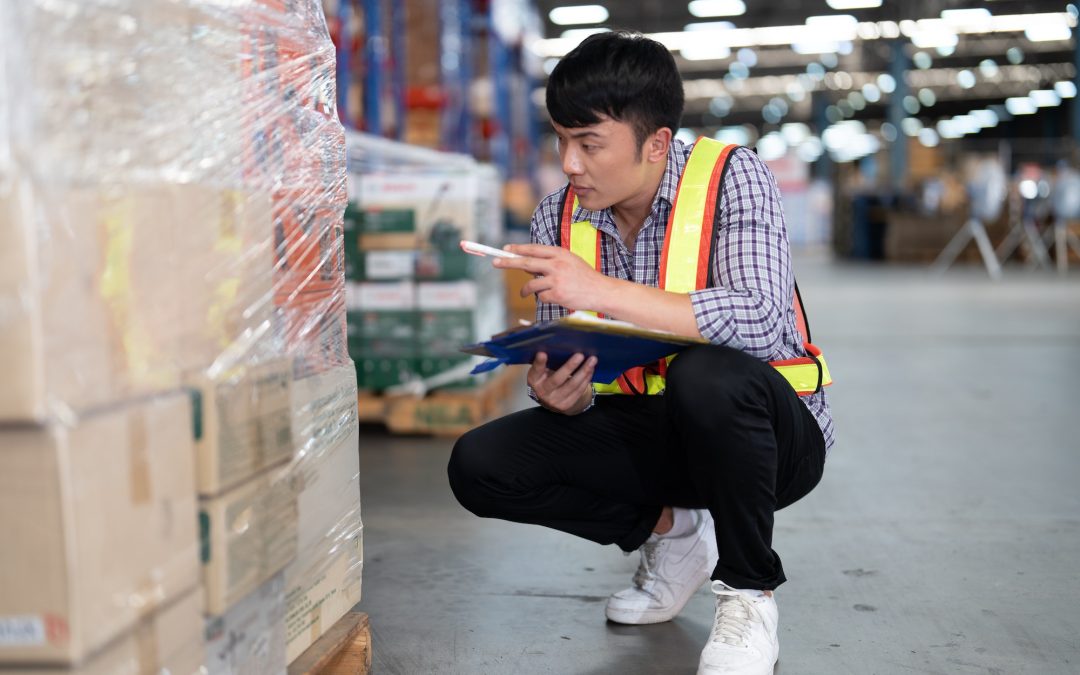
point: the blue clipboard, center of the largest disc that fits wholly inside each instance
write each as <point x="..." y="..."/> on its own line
<point x="618" y="345"/>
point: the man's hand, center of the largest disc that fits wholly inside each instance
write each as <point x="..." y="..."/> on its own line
<point x="562" y="278"/>
<point x="567" y="390"/>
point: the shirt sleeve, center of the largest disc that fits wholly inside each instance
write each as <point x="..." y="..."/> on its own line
<point x="544" y="229"/>
<point x="753" y="288"/>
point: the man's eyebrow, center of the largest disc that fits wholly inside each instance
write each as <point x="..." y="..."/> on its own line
<point x="585" y="132"/>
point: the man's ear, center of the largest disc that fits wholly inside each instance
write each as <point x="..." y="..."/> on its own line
<point x="656" y="145"/>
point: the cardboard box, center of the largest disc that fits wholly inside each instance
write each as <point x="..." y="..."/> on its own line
<point x="382" y="326"/>
<point x="99" y="527"/>
<point x="323" y="583"/>
<point x="318" y="597"/>
<point x="111" y="294"/>
<point x="168" y="641"/>
<point x="417" y="208"/>
<point x="250" y="638"/>
<point x="242" y="423"/>
<point x="248" y="535"/>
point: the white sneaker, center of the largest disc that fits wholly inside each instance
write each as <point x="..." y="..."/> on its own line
<point x="743" y="638"/>
<point x="672" y="569"/>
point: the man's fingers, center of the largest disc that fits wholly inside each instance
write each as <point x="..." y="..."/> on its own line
<point x="532" y="265"/>
<point x="566" y="371"/>
<point x="536" y="285"/>
<point x="534" y="250"/>
<point x="582" y="376"/>
<point x="538" y="371"/>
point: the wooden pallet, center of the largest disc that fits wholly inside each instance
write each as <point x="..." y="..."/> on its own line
<point x="447" y="413"/>
<point x="345" y="649"/>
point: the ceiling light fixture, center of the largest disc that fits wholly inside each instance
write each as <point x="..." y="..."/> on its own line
<point x="853" y="4"/>
<point x="578" y="14"/>
<point x="1020" y="105"/>
<point x="705" y="8"/>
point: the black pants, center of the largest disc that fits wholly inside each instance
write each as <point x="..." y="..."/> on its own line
<point x="729" y="435"/>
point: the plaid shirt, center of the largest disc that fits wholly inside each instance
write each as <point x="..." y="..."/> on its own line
<point x="751" y="307"/>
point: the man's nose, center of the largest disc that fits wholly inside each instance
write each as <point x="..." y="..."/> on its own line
<point x="571" y="162"/>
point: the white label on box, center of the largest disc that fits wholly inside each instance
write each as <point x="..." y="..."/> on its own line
<point x="447" y="295"/>
<point x="22" y="631"/>
<point x="380" y="295"/>
<point x="389" y="264"/>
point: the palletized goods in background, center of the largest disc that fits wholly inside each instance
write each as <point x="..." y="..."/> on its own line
<point x="414" y="297"/>
<point x="172" y="188"/>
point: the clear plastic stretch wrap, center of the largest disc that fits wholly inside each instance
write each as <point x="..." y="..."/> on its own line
<point x="178" y="406"/>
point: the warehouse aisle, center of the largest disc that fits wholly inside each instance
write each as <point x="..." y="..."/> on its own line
<point x="942" y="539"/>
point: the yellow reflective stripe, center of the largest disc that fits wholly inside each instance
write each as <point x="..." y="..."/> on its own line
<point x="803" y="376"/>
<point x="583" y="240"/>
<point x="609" y="388"/>
<point x="654" y="384"/>
<point x="684" y="235"/>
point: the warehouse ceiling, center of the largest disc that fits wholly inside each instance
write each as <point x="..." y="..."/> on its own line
<point x="958" y="61"/>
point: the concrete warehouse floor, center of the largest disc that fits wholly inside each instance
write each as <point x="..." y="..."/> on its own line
<point x="943" y="538"/>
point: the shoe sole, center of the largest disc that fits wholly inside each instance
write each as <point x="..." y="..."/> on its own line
<point x="643" y="617"/>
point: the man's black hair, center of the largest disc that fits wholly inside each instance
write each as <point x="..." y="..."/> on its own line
<point x="623" y="75"/>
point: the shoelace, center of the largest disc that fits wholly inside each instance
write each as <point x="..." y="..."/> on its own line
<point x="734" y="614"/>
<point x="644" y="574"/>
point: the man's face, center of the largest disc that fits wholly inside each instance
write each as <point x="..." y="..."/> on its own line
<point x="603" y="162"/>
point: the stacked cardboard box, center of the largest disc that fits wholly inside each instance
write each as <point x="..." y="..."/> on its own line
<point x="414" y="297"/>
<point x="171" y="283"/>
<point x="323" y="583"/>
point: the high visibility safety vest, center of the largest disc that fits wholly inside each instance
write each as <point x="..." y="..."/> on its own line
<point x="686" y="265"/>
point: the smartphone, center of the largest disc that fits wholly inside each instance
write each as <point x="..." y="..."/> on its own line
<point x="479" y="249"/>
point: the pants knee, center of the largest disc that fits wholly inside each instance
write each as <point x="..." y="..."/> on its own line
<point x="466" y="471"/>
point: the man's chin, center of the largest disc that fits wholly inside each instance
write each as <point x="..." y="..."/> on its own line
<point x="591" y="202"/>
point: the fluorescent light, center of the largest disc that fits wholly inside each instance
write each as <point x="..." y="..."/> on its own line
<point x="704" y="51"/>
<point x="911" y="126"/>
<point x="931" y="33"/>
<point x="967" y="124"/>
<point x="1048" y="32"/>
<point x="708" y="25"/>
<point x="989" y="68"/>
<point x="795" y="132"/>
<point x="853" y="4"/>
<point x="1065" y="89"/>
<point x="948" y="129"/>
<point x="578" y="14"/>
<point x="733" y="135"/>
<point x="771" y="147"/>
<point x="704" y="8"/>
<point x="928" y="137"/>
<point x="966" y="79"/>
<point x="984" y="118"/>
<point x="582" y="33"/>
<point x="1044" y="98"/>
<point x="886" y="83"/>
<point x="1020" y="105"/>
<point x="965" y="15"/>
<point x="831" y="22"/>
<point x="889" y="29"/>
<point x="972" y="19"/>
<point x="809" y="150"/>
<point x="686" y="135"/>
